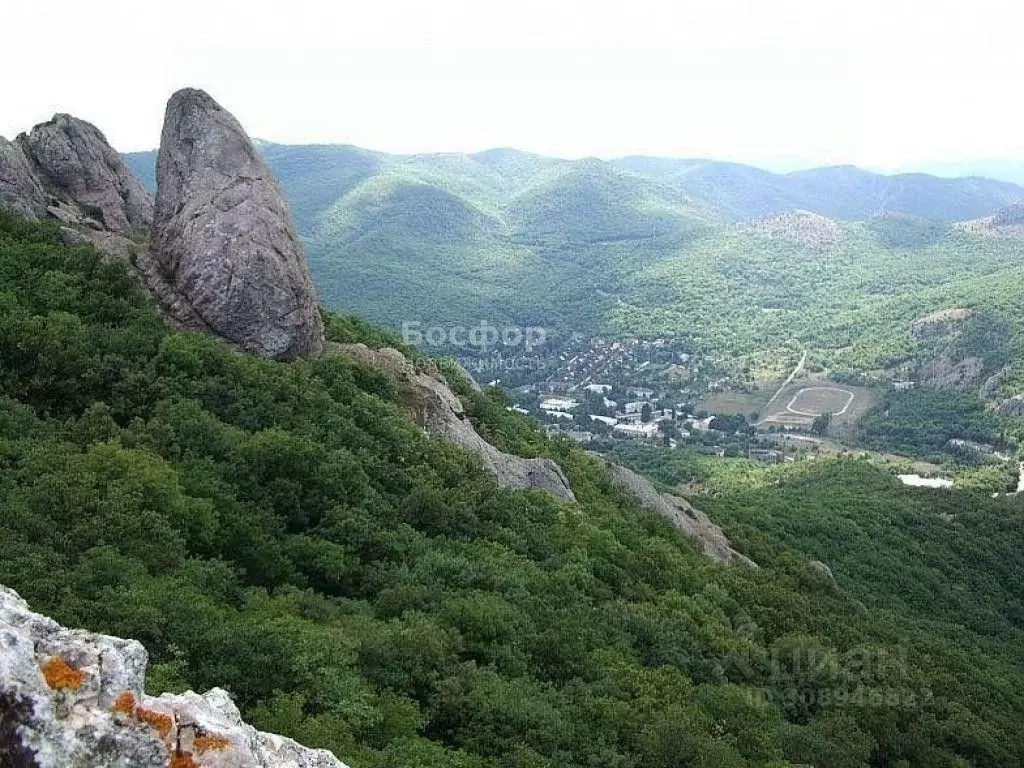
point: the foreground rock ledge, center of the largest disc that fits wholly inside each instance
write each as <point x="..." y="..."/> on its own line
<point x="74" y="699"/>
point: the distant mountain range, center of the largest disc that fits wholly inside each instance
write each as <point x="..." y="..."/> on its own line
<point x="315" y="177"/>
<point x="837" y="260"/>
<point x="993" y="168"/>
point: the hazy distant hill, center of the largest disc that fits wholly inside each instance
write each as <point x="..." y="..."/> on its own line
<point x="314" y="177"/>
<point x="1003" y="169"/>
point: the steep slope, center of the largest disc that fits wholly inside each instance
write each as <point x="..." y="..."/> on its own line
<point x="285" y="530"/>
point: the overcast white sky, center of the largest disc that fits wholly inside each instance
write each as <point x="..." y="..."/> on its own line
<point x="879" y="83"/>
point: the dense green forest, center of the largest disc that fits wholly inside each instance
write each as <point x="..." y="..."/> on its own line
<point x="285" y="531"/>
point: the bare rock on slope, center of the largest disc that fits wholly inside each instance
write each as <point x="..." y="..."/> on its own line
<point x="74" y="164"/>
<point x="224" y="238"/>
<point x="19" y="188"/>
<point x="436" y="408"/>
<point x="74" y="699"/>
<point x="681" y="514"/>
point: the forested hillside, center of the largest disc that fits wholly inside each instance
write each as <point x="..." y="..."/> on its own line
<point x="285" y="531"/>
<point x="651" y="246"/>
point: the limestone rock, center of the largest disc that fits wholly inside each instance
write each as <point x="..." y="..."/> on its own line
<point x="74" y="699"/>
<point x="681" y="514"/>
<point x="19" y="188"/>
<point x="1013" y="407"/>
<point x="74" y="163"/>
<point x="224" y="238"/>
<point x="433" y="405"/>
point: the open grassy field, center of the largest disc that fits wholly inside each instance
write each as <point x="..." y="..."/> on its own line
<point x="729" y="403"/>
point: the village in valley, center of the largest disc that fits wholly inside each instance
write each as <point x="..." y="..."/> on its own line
<point x="601" y="391"/>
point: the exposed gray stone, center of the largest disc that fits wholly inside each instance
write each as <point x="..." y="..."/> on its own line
<point x="680" y="513"/>
<point x="224" y="238"/>
<point x="823" y="569"/>
<point x="46" y="725"/>
<point x="943" y="373"/>
<point x="19" y="188"/>
<point x="1013" y="407"/>
<point x="438" y="410"/>
<point x="73" y="162"/>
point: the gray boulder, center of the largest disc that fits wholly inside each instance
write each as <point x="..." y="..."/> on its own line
<point x="74" y="699"/>
<point x="223" y="236"/>
<point x="19" y="189"/>
<point x="74" y="164"/>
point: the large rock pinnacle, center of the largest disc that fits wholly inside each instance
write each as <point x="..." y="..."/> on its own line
<point x="223" y="235"/>
<point x="74" y="163"/>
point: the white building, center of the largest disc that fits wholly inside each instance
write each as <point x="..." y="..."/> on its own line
<point x="605" y="420"/>
<point x="636" y="431"/>
<point x="599" y="389"/>
<point x="558" y="404"/>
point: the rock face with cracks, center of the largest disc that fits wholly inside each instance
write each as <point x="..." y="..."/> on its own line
<point x="223" y="237"/>
<point x="74" y="699"/>
<point x="76" y="167"/>
<point x="19" y="188"/>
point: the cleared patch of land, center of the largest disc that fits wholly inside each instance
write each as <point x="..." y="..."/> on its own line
<point x="801" y="401"/>
<point x="736" y="402"/>
<point x="813" y="401"/>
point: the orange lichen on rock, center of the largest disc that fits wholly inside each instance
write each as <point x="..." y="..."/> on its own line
<point x="160" y="722"/>
<point x="183" y="760"/>
<point x="60" y="674"/>
<point x="125" y="703"/>
<point x="210" y="742"/>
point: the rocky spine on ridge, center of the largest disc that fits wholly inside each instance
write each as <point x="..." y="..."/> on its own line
<point x="679" y="512"/>
<point x="224" y="238"/>
<point x="431" y="403"/>
<point x="73" y="162"/>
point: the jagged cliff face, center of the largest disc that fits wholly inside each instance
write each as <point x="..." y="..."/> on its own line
<point x="19" y="188"/>
<point x="74" y="163"/>
<point x="74" y="699"/>
<point x="223" y="235"/>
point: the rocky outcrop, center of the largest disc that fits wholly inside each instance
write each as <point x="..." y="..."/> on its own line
<point x="945" y="374"/>
<point x="74" y="699"/>
<point x="803" y="228"/>
<point x="1012" y="407"/>
<point x="681" y="514"/>
<point x="432" y="404"/>
<point x="947" y="322"/>
<point x="19" y="188"/>
<point x="75" y="165"/>
<point x="223" y="237"/>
